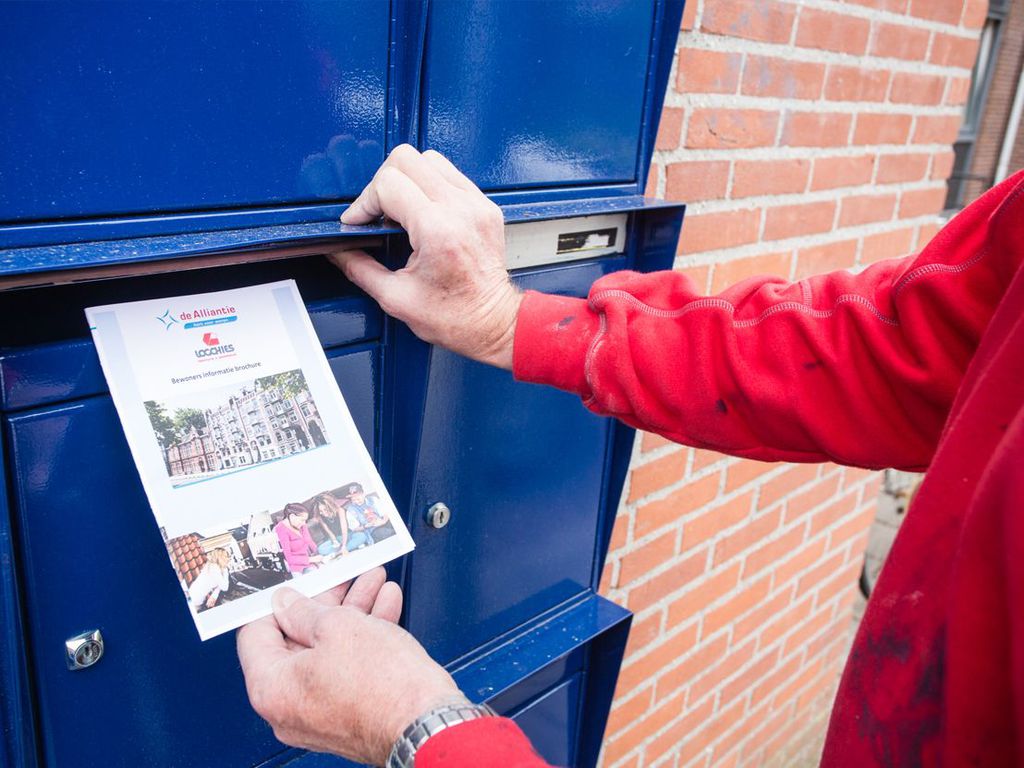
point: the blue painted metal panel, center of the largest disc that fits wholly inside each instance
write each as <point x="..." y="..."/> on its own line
<point x="551" y="722"/>
<point x="17" y="732"/>
<point x="92" y="558"/>
<point x="112" y="108"/>
<point x="547" y="93"/>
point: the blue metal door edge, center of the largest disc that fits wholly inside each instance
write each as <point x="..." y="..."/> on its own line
<point x="16" y="720"/>
<point x="325" y="234"/>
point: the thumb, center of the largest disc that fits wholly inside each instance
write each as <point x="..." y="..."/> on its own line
<point x="383" y="285"/>
<point x="299" y="617"/>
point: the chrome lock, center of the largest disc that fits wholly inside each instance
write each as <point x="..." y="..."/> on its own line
<point x="438" y="515"/>
<point x="84" y="650"/>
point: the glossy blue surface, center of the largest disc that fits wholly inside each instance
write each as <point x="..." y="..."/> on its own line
<point x="92" y="558"/>
<point x="538" y="93"/>
<point x="121" y="107"/>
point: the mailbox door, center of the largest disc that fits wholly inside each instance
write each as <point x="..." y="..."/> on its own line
<point x="93" y="559"/>
<point x="522" y="469"/>
<point x="121" y="107"/>
<point x="540" y="93"/>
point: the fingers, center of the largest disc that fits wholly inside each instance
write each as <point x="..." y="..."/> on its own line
<point x="392" y="194"/>
<point x="449" y="172"/>
<point x="298" y="616"/>
<point x="333" y="597"/>
<point x="260" y="644"/>
<point x="425" y="173"/>
<point x="363" y="592"/>
<point x="388" y="605"/>
<point x="383" y="285"/>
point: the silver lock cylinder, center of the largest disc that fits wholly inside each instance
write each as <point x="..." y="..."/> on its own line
<point x="84" y="650"/>
<point x="438" y="515"/>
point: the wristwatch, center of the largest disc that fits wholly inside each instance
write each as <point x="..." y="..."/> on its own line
<point x="403" y="754"/>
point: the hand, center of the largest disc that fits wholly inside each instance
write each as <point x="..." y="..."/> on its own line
<point x="211" y="601"/>
<point x="316" y="559"/>
<point x="304" y="675"/>
<point x="455" y="290"/>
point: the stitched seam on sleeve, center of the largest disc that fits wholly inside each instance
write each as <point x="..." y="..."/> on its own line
<point x="934" y="269"/>
<point x="592" y="351"/>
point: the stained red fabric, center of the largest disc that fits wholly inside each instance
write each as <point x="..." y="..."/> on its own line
<point x="915" y="363"/>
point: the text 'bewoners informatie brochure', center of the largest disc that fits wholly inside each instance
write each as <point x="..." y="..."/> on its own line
<point x="246" y="449"/>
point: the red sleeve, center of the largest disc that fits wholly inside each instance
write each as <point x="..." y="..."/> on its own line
<point x="859" y="369"/>
<point x="490" y="742"/>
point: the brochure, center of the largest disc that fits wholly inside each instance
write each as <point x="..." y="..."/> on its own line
<point x="249" y="456"/>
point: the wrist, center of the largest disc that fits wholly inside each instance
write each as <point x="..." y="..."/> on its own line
<point x="430" y="724"/>
<point x="498" y="351"/>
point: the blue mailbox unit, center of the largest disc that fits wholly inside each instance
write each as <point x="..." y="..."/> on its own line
<point x="151" y="149"/>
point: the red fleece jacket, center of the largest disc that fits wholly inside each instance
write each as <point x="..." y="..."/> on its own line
<point x="914" y="363"/>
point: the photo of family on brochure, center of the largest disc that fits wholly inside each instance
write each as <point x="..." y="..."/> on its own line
<point x="221" y="565"/>
<point x="229" y="429"/>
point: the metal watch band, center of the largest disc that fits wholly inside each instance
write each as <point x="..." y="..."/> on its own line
<point x="403" y="754"/>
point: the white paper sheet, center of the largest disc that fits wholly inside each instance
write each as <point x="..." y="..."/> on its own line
<point x="232" y="413"/>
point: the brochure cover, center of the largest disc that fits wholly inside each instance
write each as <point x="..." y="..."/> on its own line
<point x="247" y="452"/>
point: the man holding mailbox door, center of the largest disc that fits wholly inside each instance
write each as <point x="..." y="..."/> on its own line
<point x="913" y="363"/>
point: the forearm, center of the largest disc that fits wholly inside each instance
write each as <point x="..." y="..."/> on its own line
<point x="860" y="369"/>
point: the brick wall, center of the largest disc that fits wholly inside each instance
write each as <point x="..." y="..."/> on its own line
<point x="1003" y="88"/>
<point x="807" y="136"/>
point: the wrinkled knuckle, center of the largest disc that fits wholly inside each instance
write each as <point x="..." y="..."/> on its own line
<point x="433" y="154"/>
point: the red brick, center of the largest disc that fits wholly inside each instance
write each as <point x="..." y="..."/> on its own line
<point x="898" y="41"/>
<point x="642" y="633"/>
<point x="750" y="535"/>
<point x="942" y="166"/>
<point x="856" y="84"/>
<point x="832" y="31"/>
<point x="816" y="129"/>
<point x="664" y="584"/>
<point x="619" y="533"/>
<point x="774" y="680"/>
<point x="807" y="630"/>
<point x="784" y="623"/>
<point x="651" y="189"/>
<point x="817" y="494"/>
<point x="782" y="485"/>
<point x="704" y="71"/>
<point x="665" y="511"/>
<point x="944" y="11"/>
<point x="954" y="51"/>
<point x="703" y="658"/>
<point x="605" y="585"/>
<point x="782" y="78"/>
<point x="853" y="527"/>
<point x="748" y="597"/>
<point x="749" y="677"/>
<point x="894" y="169"/>
<point x="936" y="130"/>
<point x="728" y="273"/>
<point x="689" y="16"/>
<point x="845" y="580"/>
<point x="804" y="558"/>
<point x="925" y="233"/>
<point x="922" y="202"/>
<point x="911" y="88"/>
<point x="711" y="231"/>
<point x="636" y="671"/>
<point x="745" y="471"/>
<point x="632" y="737"/>
<point x="864" y="209"/>
<point x="624" y="715"/>
<point x="828" y="257"/>
<point x="709" y="524"/>
<point x="647" y="558"/>
<point x="703" y="594"/>
<point x="881" y="128"/>
<point x="670" y="129"/>
<point x="773" y="551"/>
<point x="677" y="732"/>
<point x="834" y="172"/>
<point x="812" y="577"/>
<point x="702" y="459"/>
<point x="975" y="12"/>
<point x="769" y="177"/>
<point x="887" y="245"/>
<point x="697" y="180"/>
<point x="699" y="275"/>
<point x="721" y="671"/>
<point x="958" y="91"/>
<point x="800" y="219"/>
<point x="650" y="441"/>
<point x="704" y="733"/>
<point x="731" y="128"/>
<point x="756" y="619"/>
<point x="766" y="20"/>
<point x="655" y="475"/>
<point x="835" y="511"/>
<point x="893" y="6"/>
